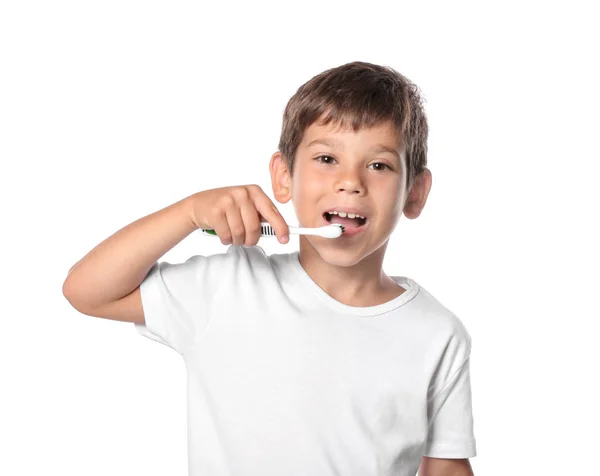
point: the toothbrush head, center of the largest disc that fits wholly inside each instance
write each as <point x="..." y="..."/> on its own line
<point x="336" y="227"/>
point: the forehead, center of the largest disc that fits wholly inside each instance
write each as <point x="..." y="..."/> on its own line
<point x="333" y="134"/>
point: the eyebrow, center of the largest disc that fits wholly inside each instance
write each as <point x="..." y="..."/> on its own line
<point x="377" y="149"/>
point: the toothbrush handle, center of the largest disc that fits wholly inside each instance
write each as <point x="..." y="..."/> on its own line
<point x="299" y="231"/>
<point x="302" y="231"/>
<point x="293" y="230"/>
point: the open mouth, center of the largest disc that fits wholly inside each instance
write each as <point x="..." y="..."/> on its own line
<point x="355" y="222"/>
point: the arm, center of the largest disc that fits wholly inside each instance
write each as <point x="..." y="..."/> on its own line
<point x="105" y="282"/>
<point x="444" y="467"/>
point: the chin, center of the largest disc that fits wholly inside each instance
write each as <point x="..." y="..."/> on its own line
<point x="343" y="258"/>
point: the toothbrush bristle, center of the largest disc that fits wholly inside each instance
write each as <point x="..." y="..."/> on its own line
<point x="343" y="228"/>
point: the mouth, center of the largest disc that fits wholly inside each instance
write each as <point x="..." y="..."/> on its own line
<point x="347" y="222"/>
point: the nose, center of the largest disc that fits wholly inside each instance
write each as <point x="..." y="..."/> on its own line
<point x="350" y="181"/>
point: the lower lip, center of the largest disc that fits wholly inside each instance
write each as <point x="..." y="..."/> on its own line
<point x="349" y="231"/>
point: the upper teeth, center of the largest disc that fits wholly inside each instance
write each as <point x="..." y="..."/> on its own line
<point x="344" y="214"/>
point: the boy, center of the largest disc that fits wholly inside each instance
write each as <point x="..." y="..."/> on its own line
<point x="312" y="362"/>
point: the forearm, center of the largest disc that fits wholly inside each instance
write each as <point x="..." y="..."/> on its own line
<point x="118" y="265"/>
<point x="445" y="467"/>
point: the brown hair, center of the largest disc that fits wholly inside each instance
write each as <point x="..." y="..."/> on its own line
<point x="366" y="94"/>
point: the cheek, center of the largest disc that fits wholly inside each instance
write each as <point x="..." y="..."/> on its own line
<point x="389" y="196"/>
<point x="308" y="185"/>
<point x="307" y="197"/>
<point x="301" y="193"/>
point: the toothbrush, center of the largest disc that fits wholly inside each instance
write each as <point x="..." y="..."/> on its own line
<point x="328" y="231"/>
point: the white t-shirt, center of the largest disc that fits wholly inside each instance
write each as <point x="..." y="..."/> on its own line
<point x="283" y="379"/>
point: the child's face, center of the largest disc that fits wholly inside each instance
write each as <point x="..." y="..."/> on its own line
<point x="353" y="174"/>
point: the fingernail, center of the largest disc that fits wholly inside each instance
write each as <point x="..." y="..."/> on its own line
<point x="285" y="238"/>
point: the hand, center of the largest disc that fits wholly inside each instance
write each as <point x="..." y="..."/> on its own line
<point x="235" y="214"/>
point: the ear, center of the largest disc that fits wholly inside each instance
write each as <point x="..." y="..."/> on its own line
<point x="280" y="178"/>
<point x="418" y="194"/>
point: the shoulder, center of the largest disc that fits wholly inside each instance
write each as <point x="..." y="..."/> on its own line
<point x="440" y="320"/>
<point x="250" y="263"/>
<point x="246" y="256"/>
<point x="256" y="257"/>
<point x="234" y="257"/>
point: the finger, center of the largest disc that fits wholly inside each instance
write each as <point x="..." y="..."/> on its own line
<point x="269" y="211"/>
<point x="221" y="226"/>
<point x="236" y="224"/>
<point x="251" y="222"/>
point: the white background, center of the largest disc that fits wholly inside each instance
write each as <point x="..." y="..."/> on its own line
<point x="112" y="110"/>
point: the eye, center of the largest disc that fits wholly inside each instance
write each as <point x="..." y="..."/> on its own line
<point x="321" y="156"/>
<point x="384" y="165"/>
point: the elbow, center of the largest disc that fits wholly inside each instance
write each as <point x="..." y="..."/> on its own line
<point x="68" y="293"/>
<point x="71" y="294"/>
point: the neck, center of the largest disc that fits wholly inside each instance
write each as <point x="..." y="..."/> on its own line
<point x="362" y="283"/>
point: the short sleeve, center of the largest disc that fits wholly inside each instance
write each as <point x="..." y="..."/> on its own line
<point x="173" y="302"/>
<point x="451" y="418"/>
